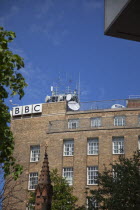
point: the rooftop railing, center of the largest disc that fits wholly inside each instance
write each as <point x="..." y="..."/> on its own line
<point x="106" y="104"/>
<point x="94" y="123"/>
<point x="110" y="104"/>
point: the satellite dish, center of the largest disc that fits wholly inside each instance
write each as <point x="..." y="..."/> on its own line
<point x="60" y="98"/>
<point x="47" y="99"/>
<point x="68" y="97"/>
<point x="117" y="106"/>
<point x="73" y="105"/>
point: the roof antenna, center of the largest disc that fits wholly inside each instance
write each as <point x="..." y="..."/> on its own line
<point x="79" y="89"/>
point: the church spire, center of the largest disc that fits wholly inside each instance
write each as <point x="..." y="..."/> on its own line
<point x="44" y="188"/>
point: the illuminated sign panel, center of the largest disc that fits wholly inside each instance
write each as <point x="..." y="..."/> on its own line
<point x="28" y="109"/>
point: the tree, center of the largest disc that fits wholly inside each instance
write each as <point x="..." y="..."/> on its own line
<point x="119" y="187"/>
<point x="11" y="83"/>
<point x="10" y="191"/>
<point x="62" y="194"/>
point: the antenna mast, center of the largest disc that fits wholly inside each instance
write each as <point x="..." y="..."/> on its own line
<point x="79" y="88"/>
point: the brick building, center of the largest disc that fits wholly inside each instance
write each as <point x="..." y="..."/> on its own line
<point x="79" y="142"/>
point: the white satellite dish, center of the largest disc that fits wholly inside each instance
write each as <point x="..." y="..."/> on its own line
<point x="60" y="98"/>
<point x="117" y="106"/>
<point x="47" y="99"/>
<point x="73" y="105"/>
<point x="68" y="97"/>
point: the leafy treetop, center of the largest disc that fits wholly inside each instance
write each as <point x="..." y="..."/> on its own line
<point x="119" y="187"/>
<point x="11" y="83"/>
<point x="62" y="194"/>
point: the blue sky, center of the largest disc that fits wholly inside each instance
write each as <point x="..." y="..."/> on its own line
<point x="59" y="39"/>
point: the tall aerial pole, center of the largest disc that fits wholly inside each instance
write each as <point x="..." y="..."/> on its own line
<point x="79" y="88"/>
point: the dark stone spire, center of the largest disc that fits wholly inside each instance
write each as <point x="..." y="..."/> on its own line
<point x="44" y="188"/>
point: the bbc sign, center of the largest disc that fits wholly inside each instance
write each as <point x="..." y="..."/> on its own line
<point x="28" y="109"/>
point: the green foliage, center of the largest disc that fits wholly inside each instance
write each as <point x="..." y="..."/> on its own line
<point x="119" y="188"/>
<point x="62" y="193"/>
<point x="11" y="83"/>
<point x="32" y="200"/>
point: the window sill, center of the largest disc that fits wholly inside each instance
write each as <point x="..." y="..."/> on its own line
<point x="68" y="155"/>
<point x="92" y="154"/>
<point x="73" y="128"/>
<point x="119" y="125"/>
<point x="118" y="153"/>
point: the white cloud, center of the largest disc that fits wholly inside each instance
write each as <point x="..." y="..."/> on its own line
<point x="48" y="29"/>
<point x="52" y="26"/>
<point x="49" y="21"/>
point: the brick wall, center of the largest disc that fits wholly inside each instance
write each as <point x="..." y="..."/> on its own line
<point x="34" y="131"/>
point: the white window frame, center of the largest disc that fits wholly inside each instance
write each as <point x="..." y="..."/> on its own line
<point x="93" y="146"/>
<point x="33" y="180"/>
<point x="92" y="175"/>
<point x="118" y="145"/>
<point x="34" y="153"/>
<point x="119" y="121"/>
<point x="73" y="123"/>
<point x="96" y="122"/>
<point x="68" y="174"/>
<point x="68" y="147"/>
